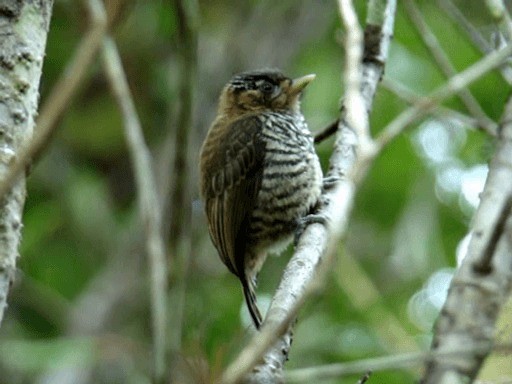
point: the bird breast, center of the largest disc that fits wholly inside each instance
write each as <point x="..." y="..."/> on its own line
<point x="291" y="180"/>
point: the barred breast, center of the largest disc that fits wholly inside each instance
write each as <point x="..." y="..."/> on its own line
<point x="291" y="181"/>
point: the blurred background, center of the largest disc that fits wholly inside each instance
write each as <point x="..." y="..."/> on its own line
<point x="79" y="311"/>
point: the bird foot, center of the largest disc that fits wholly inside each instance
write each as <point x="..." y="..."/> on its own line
<point x="314" y="218"/>
<point x="330" y="182"/>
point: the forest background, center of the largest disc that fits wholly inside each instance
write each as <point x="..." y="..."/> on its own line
<point x="80" y="307"/>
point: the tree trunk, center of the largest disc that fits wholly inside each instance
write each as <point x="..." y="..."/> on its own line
<point x="23" y="32"/>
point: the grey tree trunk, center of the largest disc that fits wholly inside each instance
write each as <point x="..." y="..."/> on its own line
<point x="23" y="31"/>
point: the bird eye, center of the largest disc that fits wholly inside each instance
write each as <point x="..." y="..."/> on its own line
<point x="266" y="87"/>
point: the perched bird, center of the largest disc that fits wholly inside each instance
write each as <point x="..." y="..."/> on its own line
<point x="260" y="175"/>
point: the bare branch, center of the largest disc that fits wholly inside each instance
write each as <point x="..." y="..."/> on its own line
<point x="499" y="12"/>
<point x="149" y="207"/>
<point x="482" y="283"/>
<point x="442" y="60"/>
<point x="327" y="132"/>
<point x="24" y="27"/>
<point x="180" y="194"/>
<point x="470" y="29"/>
<point x="455" y="83"/>
<point x="409" y="96"/>
<point x="366" y="298"/>
<point x="180" y="231"/>
<point x="384" y="363"/>
<point x="61" y="95"/>
<point x="474" y="34"/>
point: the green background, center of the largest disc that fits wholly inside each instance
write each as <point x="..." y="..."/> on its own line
<point x="80" y="302"/>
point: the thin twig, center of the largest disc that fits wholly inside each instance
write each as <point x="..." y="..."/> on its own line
<point x="327" y="132"/>
<point x="411" y="97"/>
<point x="474" y="34"/>
<point x="149" y="207"/>
<point x="391" y="362"/>
<point x="365" y="297"/>
<point x="484" y="264"/>
<point x="454" y="84"/>
<point x="443" y="62"/>
<point x="62" y="94"/>
<point x="180" y="231"/>
<point x="180" y="199"/>
<point x="499" y="12"/>
<point x="470" y="29"/>
<point x="364" y="378"/>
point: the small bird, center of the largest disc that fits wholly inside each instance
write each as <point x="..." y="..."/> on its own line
<point x="260" y="174"/>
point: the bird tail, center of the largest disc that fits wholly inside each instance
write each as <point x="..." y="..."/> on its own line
<point x="250" y="298"/>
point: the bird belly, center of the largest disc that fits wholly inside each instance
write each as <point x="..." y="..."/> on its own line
<point x="290" y="188"/>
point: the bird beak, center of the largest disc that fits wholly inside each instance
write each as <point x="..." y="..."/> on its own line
<point x="300" y="83"/>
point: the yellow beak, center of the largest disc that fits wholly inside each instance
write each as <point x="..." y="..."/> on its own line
<point x="300" y="83"/>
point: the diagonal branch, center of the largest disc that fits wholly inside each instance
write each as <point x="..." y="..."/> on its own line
<point x="499" y="12"/>
<point x="483" y="282"/>
<point x="149" y="207"/>
<point x="62" y="94"/>
<point x="454" y="84"/>
<point x="474" y="34"/>
<point x="392" y="362"/>
<point x="443" y="62"/>
<point x="411" y="97"/>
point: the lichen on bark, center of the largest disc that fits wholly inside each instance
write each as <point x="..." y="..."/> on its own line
<point x="23" y="30"/>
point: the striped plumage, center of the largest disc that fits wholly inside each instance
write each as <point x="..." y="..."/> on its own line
<point x="291" y="179"/>
<point x="259" y="172"/>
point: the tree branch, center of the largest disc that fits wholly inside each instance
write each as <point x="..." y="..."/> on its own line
<point x="180" y="193"/>
<point x="61" y="95"/>
<point x="499" y="11"/>
<point x="23" y="30"/>
<point x="149" y="206"/>
<point x="443" y="62"/>
<point x="410" y="97"/>
<point x="180" y="226"/>
<point x="474" y="34"/>
<point x="454" y="84"/>
<point x="482" y="283"/>
<point x="384" y="363"/>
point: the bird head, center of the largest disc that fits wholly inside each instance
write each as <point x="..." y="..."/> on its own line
<point x="265" y="90"/>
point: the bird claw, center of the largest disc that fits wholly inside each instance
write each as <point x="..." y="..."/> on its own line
<point x="330" y="182"/>
<point x="314" y="218"/>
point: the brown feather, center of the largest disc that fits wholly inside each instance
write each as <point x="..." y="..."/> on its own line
<point x="231" y="179"/>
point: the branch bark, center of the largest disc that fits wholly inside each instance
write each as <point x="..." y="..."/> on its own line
<point x="474" y="34"/>
<point x="482" y="284"/>
<point x="61" y="94"/>
<point x="453" y="85"/>
<point x="180" y="225"/>
<point x="382" y="363"/>
<point x="443" y="62"/>
<point x="180" y="193"/>
<point x="23" y="30"/>
<point x="149" y="205"/>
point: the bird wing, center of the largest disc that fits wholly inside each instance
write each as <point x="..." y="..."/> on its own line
<point x="231" y="187"/>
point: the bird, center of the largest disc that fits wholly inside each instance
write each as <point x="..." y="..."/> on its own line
<point x="259" y="173"/>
